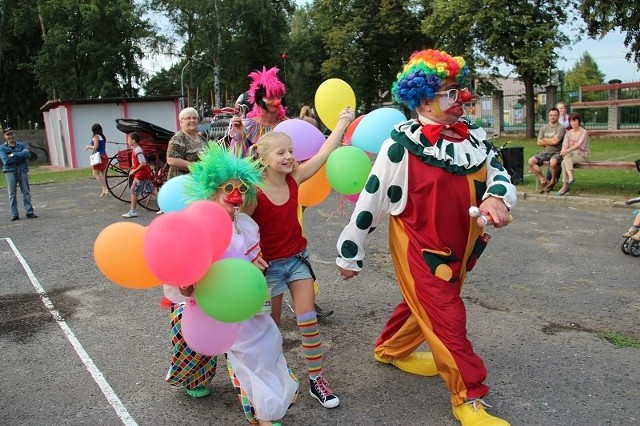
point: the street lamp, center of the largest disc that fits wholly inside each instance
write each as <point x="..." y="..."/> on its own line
<point x="182" y="74"/>
<point x="182" y="85"/>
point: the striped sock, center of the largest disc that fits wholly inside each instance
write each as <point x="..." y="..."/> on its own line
<point x="311" y="342"/>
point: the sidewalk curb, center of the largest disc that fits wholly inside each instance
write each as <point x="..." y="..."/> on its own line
<point x="568" y="200"/>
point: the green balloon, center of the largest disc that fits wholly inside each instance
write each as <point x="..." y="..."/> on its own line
<point x="233" y="290"/>
<point x="347" y="169"/>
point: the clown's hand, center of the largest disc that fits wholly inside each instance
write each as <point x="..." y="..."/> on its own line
<point x="345" y="274"/>
<point x="497" y="211"/>
<point x="186" y="291"/>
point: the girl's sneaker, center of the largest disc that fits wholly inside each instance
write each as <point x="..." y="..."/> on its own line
<point x="130" y="214"/>
<point x="320" y="390"/>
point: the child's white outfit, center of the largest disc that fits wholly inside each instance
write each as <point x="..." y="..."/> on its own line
<point x="266" y="386"/>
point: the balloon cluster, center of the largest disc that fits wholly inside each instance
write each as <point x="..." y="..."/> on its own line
<point x="347" y="168"/>
<point x="188" y="245"/>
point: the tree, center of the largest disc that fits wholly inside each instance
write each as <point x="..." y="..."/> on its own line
<point x="603" y="17"/>
<point x="525" y="35"/>
<point x="20" y="41"/>
<point x="92" y="48"/>
<point x="366" y="42"/>
<point x="585" y="72"/>
<point x="232" y="37"/>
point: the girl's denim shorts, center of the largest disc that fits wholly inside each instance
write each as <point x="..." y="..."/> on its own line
<point x="281" y="272"/>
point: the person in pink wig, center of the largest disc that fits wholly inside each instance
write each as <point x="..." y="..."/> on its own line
<point x="266" y="93"/>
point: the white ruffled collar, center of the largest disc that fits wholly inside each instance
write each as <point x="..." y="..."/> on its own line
<point x="465" y="154"/>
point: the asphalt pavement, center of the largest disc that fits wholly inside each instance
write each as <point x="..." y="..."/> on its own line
<point x="539" y="300"/>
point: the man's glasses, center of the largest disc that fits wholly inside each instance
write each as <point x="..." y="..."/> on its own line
<point x="229" y="187"/>
<point x="452" y="94"/>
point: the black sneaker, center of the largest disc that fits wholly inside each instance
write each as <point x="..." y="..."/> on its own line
<point x="321" y="313"/>
<point x="32" y="216"/>
<point x="320" y="390"/>
<point x="14" y="218"/>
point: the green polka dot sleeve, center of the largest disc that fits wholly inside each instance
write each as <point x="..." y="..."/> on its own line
<point x="384" y="192"/>
<point x="498" y="182"/>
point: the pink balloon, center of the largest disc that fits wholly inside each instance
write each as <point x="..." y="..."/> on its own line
<point x="353" y="198"/>
<point x="174" y="250"/>
<point x="305" y="137"/>
<point x="216" y="222"/>
<point x="232" y="254"/>
<point x="204" y="334"/>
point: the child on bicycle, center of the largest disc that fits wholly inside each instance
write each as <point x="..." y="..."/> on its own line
<point x="634" y="231"/>
<point x="140" y="171"/>
<point x="283" y="244"/>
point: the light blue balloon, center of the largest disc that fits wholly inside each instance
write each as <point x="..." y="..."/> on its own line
<point x="172" y="195"/>
<point x="375" y="128"/>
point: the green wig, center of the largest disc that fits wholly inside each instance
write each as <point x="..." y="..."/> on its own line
<point x="218" y="165"/>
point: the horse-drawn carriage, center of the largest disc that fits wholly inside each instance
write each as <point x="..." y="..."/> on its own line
<point x="154" y="141"/>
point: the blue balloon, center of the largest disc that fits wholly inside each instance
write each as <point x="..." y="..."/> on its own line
<point x="172" y="195"/>
<point x="375" y="128"/>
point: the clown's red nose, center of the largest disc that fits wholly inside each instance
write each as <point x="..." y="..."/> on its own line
<point x="465" y="96"/>
<point x="235" y="197"/>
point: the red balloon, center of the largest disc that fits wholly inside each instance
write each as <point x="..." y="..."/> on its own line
<point x="175" y="251"/>
<point x="216" y="222"/>
<point x="352" y="128"/>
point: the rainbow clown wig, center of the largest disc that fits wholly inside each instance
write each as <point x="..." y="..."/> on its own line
<point x="218" y="165"/>
<point x="265" y="84"/>
<point x="424" y="73"/>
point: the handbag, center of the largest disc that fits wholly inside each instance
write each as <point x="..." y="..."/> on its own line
<point x="95" y="159"/>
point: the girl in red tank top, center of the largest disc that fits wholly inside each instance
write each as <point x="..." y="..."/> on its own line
<point x="283" y="245"/>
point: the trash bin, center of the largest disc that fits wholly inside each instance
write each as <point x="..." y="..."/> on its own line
<point x="513" y="160"/>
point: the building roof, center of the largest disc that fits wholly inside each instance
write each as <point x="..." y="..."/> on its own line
<point x="56" y="103"/>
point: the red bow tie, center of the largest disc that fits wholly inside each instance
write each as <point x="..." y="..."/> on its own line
<point x="432" y="131"/>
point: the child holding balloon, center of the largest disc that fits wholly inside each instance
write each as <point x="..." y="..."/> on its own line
<point x="259" y="372"/>
<point x="283" y="244"/>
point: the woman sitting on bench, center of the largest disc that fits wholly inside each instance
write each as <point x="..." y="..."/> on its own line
<point x="575" y="149"/>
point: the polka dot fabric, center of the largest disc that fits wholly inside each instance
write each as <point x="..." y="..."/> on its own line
<point x="385" y="189"/>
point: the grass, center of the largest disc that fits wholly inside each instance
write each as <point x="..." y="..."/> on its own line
<point x="39" y="174"/>
<point x="619" y="184"/>
<point x="618" y="340"/>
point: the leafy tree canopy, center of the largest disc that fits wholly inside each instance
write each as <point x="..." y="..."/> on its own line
<point x="603" y="17"/>
<point x="585" y="72"/>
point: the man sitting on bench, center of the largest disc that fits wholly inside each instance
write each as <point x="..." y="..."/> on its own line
<point x="550" y="137"/>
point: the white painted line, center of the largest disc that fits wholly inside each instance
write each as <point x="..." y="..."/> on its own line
<point x="106" y="389"/>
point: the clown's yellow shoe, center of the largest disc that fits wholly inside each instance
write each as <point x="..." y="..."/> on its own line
<point x="418" y="363"/>
<point x="472" y="413"/>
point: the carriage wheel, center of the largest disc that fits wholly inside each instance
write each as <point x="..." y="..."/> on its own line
<point x="148" y="201"/>
<point x="635" y="249"/>
<point x="117" y="180"/>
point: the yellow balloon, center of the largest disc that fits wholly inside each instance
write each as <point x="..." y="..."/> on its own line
<point x="332" y="97"/>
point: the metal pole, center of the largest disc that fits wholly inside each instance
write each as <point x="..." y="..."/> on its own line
<point x="182" y="86"/>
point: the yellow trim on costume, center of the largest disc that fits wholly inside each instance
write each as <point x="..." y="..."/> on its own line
<point x="420" y="324"/>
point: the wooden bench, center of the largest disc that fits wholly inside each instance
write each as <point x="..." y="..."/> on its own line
<point x="610" y="165"/>
<point x="604" y="165"/>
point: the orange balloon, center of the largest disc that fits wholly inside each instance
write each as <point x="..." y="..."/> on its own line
<point x="352" y="128"/>
<point x="314" y="190"/>
<point x="118" y="254"/>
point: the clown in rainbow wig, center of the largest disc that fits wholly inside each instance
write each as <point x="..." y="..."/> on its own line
<point x="427" y="176"/>
<point x="265" y="385"/>
<point x="266" y="92"/>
